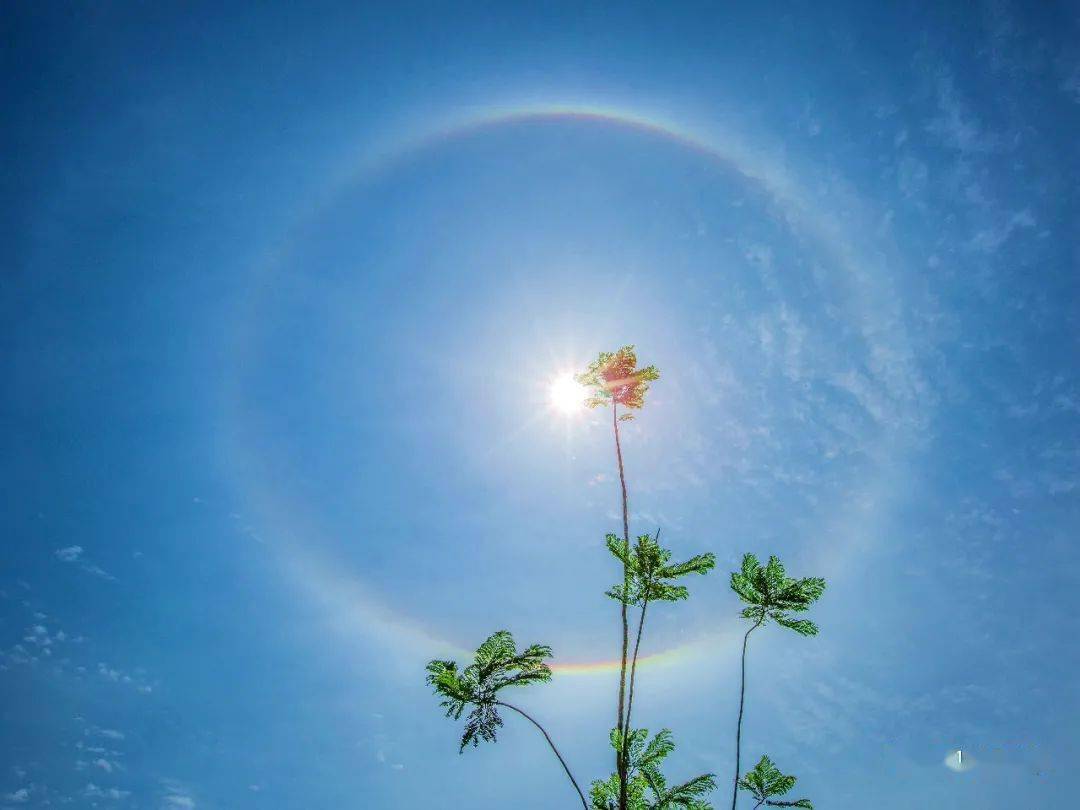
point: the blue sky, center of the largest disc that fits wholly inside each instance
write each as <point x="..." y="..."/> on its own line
<point x="284" y="291"/>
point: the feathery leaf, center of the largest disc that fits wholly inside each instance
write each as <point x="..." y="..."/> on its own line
<point x="496" y="665"/>
<point x="766" y="781"/>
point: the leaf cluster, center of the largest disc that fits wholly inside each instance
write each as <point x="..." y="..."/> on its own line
<point x="765" y="781"/>
<point x="770" y="594"/>
<point x="496" y="666"/>
<point x="614" y="376"/>
<point x="647" y="788"/>
<point x="650" y="574"/>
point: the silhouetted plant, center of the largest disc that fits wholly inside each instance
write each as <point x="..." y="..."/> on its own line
<point x="769" y="594"/>
<point x="647" y="787"/>
<point x="615" y="379"/>
<point x="766" y="781"/>
<point x="497" y="665"/>
<point x="648" y="577"/>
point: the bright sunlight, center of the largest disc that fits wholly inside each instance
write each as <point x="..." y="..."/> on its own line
<point x="566" y="395"/>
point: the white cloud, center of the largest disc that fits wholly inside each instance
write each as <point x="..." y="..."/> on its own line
<point x="74" y="554"/>
<point x="98" y="571"/>
<point x="135" y="679"/>
<point x="176" y="795"/>
<point x="954" y="123"/>
<point x="92" y="791"/>
<point x="990" y="239"/>
<point x="19" y="796"/>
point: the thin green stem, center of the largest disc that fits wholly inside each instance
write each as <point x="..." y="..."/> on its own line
<point x="624" y="784"/>
<point x="620" y="757"/>
<point x="633" y="664"/>
<point x="547" y="737"/>
<point x="742" y="695"/>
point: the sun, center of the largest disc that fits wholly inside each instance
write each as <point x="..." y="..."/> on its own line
<point x="566" y="395"/>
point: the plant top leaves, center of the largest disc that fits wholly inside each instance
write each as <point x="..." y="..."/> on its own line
<point x="770" y="594"/>
<point x="650" y="573"/>
<point x="614" y="376"/>
<point x="765" y="781"/>
<point x="497" y="665"/>
<point x="647" y="788"/>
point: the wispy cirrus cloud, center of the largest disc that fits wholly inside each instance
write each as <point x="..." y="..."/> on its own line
<point x="75" y="556"/>
<point x="69" y="553"/>
<point x="176" y="794"/>
<point x="92" y="791"/>
<point x="20" y="796"/>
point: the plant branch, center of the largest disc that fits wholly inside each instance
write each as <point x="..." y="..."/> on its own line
<point x="652" y="783"/>
<point x="637" y="646"/>
<point x="742" y="695"/>
<point x="547" y="737"/>
<point x="633" y="664"/>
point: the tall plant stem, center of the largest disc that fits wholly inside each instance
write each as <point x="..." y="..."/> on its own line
<point x="633" y="662"/>
<point x="742" y="695"/>
<point x="547" y="737"/>
<point x="622" y="475"/>
<point x="637" y="646"/>
<point x="620" y="756"/>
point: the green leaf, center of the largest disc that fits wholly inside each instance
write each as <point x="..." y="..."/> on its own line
<point x="750" y="567"/>
<point x="803" y="627"/>
<point x="658" y="748"/>
<point x="650" y="574"/>
<point x="774" y="575"/>
<point x="771" y="593"/>
<point x="644" y="776"/>
<point x="744" y="588"/>
<point x="496" y="666"/>
<point x="618" y="594"/>
<point x="660" y="592"/>
<point x="618" y="547"/>
<point x="684" y="795"/>
<point x="766" y="781"/>
<point x="699" y="564"/>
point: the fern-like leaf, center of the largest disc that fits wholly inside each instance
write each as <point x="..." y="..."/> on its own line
<point x="771" y="594"/>
<point x="766" y="781"/>
<point x="496" y="665"/>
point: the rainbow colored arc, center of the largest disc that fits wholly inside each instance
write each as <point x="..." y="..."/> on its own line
<point x="349" y="604"/>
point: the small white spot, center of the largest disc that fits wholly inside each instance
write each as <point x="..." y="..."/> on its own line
<point x="956" y="760"/>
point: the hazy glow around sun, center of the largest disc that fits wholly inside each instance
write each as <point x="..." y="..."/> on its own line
<point x="566" y="395"/>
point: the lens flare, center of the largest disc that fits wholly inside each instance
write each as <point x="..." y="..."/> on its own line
<point x="566" y="395"/>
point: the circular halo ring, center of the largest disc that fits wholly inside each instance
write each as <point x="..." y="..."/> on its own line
<point x="353" y="607"/>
